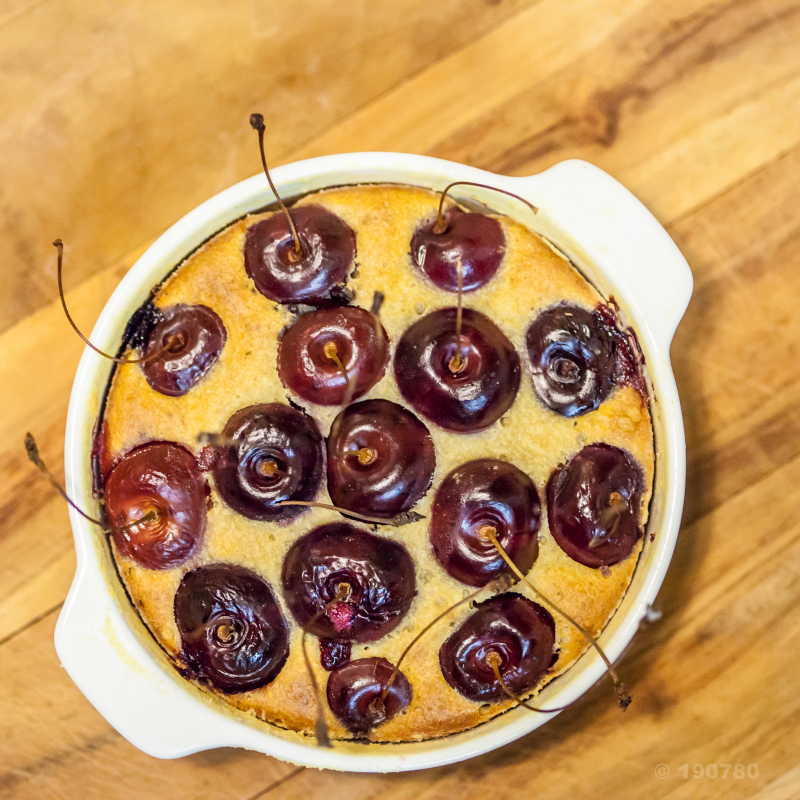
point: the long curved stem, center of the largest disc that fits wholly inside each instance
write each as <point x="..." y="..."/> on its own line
<point x="257" y="123"/>
<point x="397" y="521"/>
<point x="493" y="660"/>
<point x="456" y="363"/>
<point x="321" y="726"/>
<point x="440" y="227"/>
<point x="619" y="687"/>
<point x="59" y="245"/>
<point x="32" y="449"/>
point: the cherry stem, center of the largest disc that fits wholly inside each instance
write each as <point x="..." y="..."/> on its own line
<point x="321" y="726"/>
<point x="366" y="455"/>
<point x="59" y="245"/>
<point x="494" y="661"/>
<point x="32" y="450"/>
<point x="331" y="352"/>
<point x="490" y="533"/>
<point x="397" y="521"/>
<point x="257" y="123"/>
<point x="499" y="585"/>
<point x="268" y="468"/>
<point x="219" y="622"/>
<point x="440" y="226"/>
<point x="456" y="363"/>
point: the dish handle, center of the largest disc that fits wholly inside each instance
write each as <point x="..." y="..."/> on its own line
<point x="640" y="264"/>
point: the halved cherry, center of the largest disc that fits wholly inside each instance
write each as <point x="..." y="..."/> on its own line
<point x="375" y="576"/>
<point x="324" y="349"/>
<point x="571" y="352"/>
<point x="380" y="459"/>
<point x="182" y="347"/>
<point x="462" y="383"/>
<point x="485" y="492"/>
<point x="161" y="483"/>
<point x="593" y="505"/>
<point x="233" y="634"/>
<point x="277" y="456"/>
<point x="281" y="273"/>
<point x="476" y="240"/>
<point x="519" y="632"/>
<point x="356" y="693"/>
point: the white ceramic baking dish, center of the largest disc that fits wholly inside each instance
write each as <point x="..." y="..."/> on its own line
<point x="621" y="249"/>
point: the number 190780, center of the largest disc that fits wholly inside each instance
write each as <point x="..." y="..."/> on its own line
<point x="712" y="771"/>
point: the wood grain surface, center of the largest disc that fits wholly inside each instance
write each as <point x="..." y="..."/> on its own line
<point x="119" y="118"/>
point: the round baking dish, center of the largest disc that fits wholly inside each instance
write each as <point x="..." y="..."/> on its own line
<point x="619" y="247"/>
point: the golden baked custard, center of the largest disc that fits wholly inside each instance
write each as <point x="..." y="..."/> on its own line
<point x="331" y="365"/>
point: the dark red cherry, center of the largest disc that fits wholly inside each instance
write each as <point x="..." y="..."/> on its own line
<point x="519" y="631"/>
<point x="182" y="348"/>
<point x="380" y="459"/>
<point x="333" y="653"/>
<point x="327" y="250"/>
<point x="305" y="363"/>
<point x="472" y="395"/>
<point x="279" y="457"/>
<point x="375" y="574"/>
<point x="161" y="479"/>
<point x="593" y="504"/>
<point x="355" y="690"/>
<point x="571" y="353"/>
<point x="232" y="630"/>
<point x="486" y="492"/>
<point x="477" y="240"/>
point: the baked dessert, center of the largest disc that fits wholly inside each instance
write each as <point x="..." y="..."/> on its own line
<point x="280" y="371"/>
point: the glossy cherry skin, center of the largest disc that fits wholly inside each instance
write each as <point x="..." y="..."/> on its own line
<point x="581" y="508"/>
<point x="233" y="634"/>
<point x="361" y="345"/>
<point x="354" y="692"/>
<point x="520" y="631"/>
<point x="401" y="469"/>
<point x="193" y="337"/>
<point x="475" y="396"/>
<point x="492" y="493"/>
<point x="378" y="575"/>
<point x="477" y="240"/>
<point x="571" y="352"/>
<point x="272" y="435"/>
<point x="163" y="478"/>
<point x="328" y="247"/>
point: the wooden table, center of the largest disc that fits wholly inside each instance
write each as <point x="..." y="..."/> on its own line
<point x="119" y="118"/>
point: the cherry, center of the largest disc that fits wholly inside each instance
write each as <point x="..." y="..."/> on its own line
<point x="182" y="348"/>
<point x="327" y="250"/>
<point x="456" y="241"/>
<point x="520" y="632"/>
<point x="480" y="493"/>
<point x="325" y="349"/>
<point x="277" y="456"/>
<point x="333" y="654"/>
<point x="380" y="459"/>
<point x="593" y="505"/>
<point x="461" y="388"/>
<point x="162" y="480"/>
<point x="475" y="239"/>
<point x="355" y="693"/>
<point x="299" y="257"/>
<point x="571" y="352"/>
<point x="374" y="575"/>
<point x="232" y="630"/>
